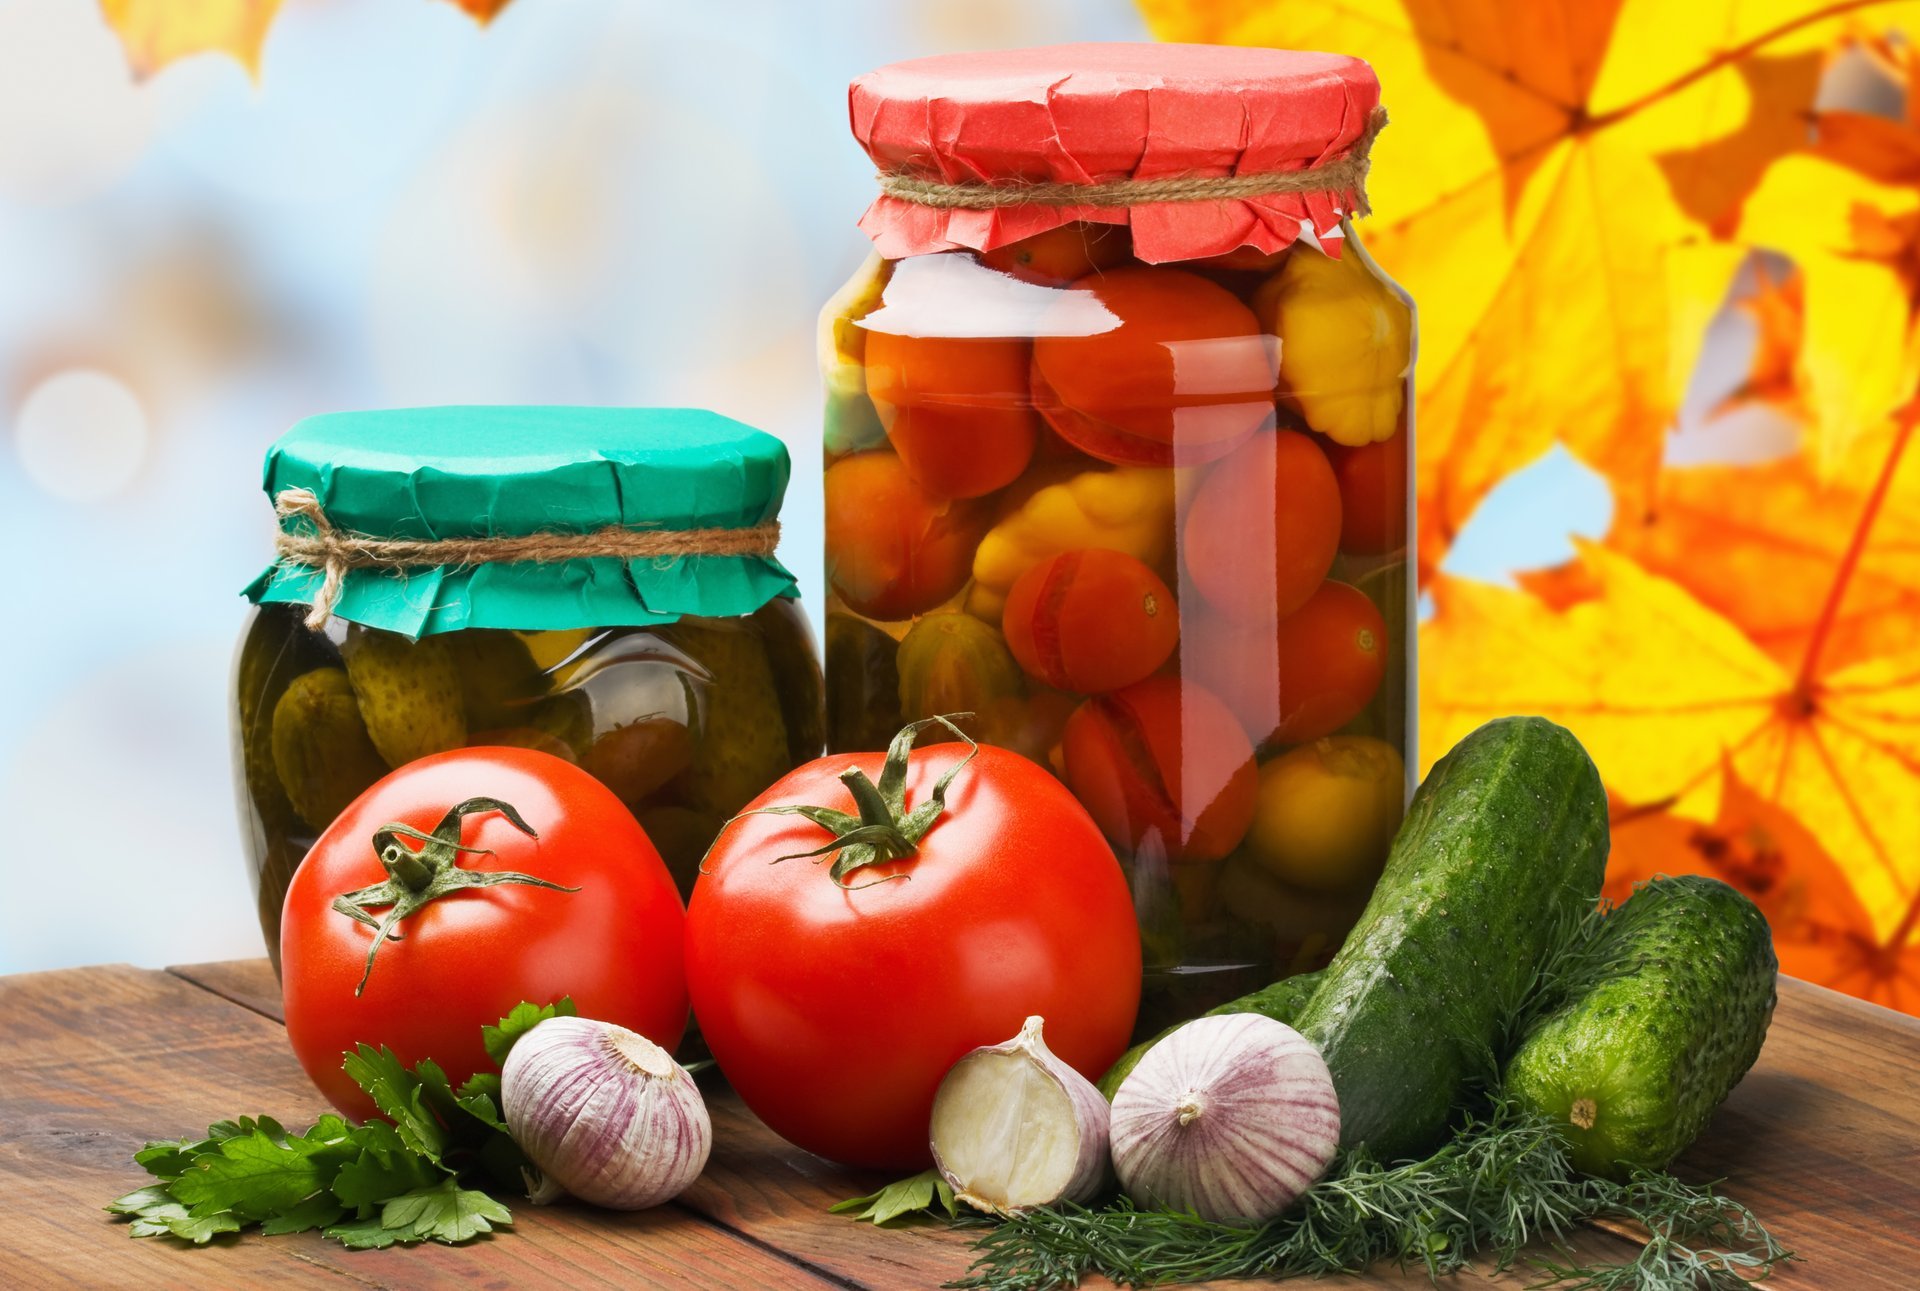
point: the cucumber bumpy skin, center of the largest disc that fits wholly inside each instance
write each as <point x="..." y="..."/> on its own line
<point x="1503" y="848"/>
<point x="1662" y="1016"/>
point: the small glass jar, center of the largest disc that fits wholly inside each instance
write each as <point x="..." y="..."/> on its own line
<point x="684" y="683"/>
<point x="1127" y="479"/>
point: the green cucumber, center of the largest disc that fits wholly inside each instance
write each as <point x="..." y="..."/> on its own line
<point x="1503" y="847"/>
<point x="1662" y="1015"/>
<point x="1281" y="1001"/>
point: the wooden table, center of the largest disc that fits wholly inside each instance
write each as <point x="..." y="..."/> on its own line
<point x="1822" y="1139"/>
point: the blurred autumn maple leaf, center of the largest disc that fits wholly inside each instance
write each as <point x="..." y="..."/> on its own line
<point x="1569" y="192"/>
<point x="1821" y="931"/>
<point x="157" y="32"/>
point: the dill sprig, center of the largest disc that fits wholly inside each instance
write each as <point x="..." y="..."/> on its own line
<point x="1502" y="1182"/>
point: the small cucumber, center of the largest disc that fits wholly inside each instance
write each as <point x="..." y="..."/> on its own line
<point x="1662" y="1016"/>
<point x="1504" y="845"/>
<point x="1281" y="1001"/>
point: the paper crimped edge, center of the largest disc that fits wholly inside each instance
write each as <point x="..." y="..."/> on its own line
<point x="1093" y="113"/>
<point x="575" y="467"/>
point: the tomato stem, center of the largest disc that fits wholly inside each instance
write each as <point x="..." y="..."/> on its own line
<point x="876" y="814"/>
<point x="419" y="876"/>
<point x="884" y="830"/>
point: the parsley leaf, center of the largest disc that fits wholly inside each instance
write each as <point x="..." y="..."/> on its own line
<point x="919" y="1193"/>
<point x="172" y="1220"/>
<point x="140" y="1199"/>
<point x="445" y="1211"/>
<point x="317" y="1211"/>
<point x="524" y="1018"/>
<point x="364" y="1234"/>
<point x="482" y="1084"/>
<point x="396" y="1092"/>
<point x="382" y="1173"/>
<point x="258" y="1176"/>
<point x="372" y="1185"/>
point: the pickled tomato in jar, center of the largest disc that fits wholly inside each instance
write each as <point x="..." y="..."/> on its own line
<point x="1118" y="448"/>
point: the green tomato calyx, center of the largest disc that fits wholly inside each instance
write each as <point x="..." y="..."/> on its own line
<point x="417" y="876"/>
<point x="884" y="830"/>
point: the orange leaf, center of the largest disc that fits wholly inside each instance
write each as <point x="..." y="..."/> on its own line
<point x="157" y="32"/>
<point x="1778" y="307"/>
<point x="1760" y="546"/>
<point x="1820" y="930"/>
<point x="1549" y="192"/>
<point x="481" y="11"/>
<point x="1675" y="700"/>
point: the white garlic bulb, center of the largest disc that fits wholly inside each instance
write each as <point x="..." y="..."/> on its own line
<point x="1015" y="1127"/>
<point x="1232" y="1117"/>
<point x="605" y="1112"/>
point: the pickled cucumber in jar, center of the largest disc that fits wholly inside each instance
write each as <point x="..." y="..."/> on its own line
<point x="685" y="680"/>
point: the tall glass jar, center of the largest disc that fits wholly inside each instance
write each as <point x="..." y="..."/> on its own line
<point x="1117" y="450"/>
<point x="684" y="682"/>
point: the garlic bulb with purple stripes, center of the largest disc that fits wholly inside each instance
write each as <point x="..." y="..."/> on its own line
<point x="605" y="1113"/>
<point x="1231" y="1117"/>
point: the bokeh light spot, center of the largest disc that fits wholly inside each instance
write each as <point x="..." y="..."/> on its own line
<point x="81" y="435"/>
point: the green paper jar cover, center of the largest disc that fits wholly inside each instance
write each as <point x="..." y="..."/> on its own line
<point x="489" y="472"/>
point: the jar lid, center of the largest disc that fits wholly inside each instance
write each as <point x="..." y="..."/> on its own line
<point x="427" y="520"/>
<point x="1009" y="124"/>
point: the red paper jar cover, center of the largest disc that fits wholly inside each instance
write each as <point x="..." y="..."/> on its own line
<point x="1085" y="114"/>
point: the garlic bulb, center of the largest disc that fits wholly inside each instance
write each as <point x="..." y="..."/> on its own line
<point x="1232" y="1117"/>
<point x="605" y="1112"/>
<point x="1014" y="1127"/>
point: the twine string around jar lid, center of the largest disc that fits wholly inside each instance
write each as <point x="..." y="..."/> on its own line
<point x="1346" y="173"/>
<point x="334" y="551"/>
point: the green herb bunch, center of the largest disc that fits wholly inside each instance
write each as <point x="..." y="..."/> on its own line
<point x="1503" y="1181"/>
<point x="428" y="1172"/>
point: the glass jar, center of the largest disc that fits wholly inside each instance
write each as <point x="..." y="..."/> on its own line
<point x="686" y="683"/>
<point x="1129" y="482"/>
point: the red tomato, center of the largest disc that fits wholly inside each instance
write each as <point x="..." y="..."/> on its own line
<point x="1264" y="527"/>
<point x="1373" y="495"/>
<point x="1307" y="678"/>
<point x="1158" y="367"/>
<point x="893" y="549"/>
<point x="1244" y="260"/>
<point x="1332" y="654"/>
<point x="1090" y="620"/>
<point x="955" y="408"/>
<point x="1163" y="763"/>
<point x="465" y="959"/>
<point x="1060" y="255"/>
<point x="835" y="1012"/>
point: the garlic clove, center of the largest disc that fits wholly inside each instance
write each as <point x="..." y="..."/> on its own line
<point x="605" y="1113"/>
<point x="1231" y="1117"/>
<point x="1014" y="1127"/>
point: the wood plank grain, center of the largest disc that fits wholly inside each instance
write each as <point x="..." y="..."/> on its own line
<point x="100" y="1060"/>
<point x="1822" y="1139"/>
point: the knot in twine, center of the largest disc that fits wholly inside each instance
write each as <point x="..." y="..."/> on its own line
<point x="1344" y="174"/>
<point x="334" y="551"/>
